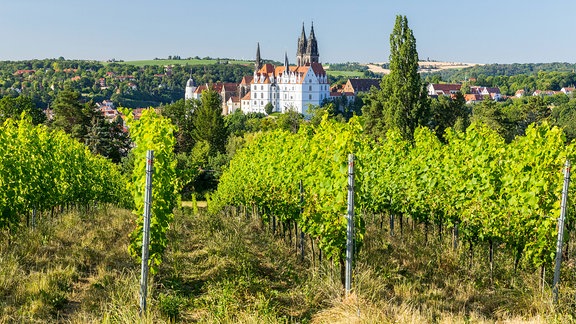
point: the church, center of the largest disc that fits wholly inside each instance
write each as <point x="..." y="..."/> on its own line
<point x="288" y="87"/>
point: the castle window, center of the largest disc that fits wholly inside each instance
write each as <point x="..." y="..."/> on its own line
<point x="262" y="103"/>
<point x="254" y="102"/>
<point x="309" y="88"/>
<point x="309" y="97"/>
<point x="261" y="87"/>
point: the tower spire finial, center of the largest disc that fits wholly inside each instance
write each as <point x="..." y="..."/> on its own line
<point x="258" y="61"/>
<point x="312" y="55"/>
<point x="301" y="49"/>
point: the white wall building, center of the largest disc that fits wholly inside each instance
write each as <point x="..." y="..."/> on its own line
<point x="289" y="87"/>
<point x="190" y="89"/>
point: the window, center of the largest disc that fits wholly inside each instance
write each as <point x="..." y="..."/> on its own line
<point x="310" y="97"/>
<point x="261" y="87"/>
<point x="262" y="103"/>
<point x="261" y="95"/>
<point x="310" y="88"/>
<point x="254" y="102"/>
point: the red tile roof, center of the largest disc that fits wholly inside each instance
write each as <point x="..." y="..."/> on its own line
<point x="446" y="87"/>
<point x="318" y="69"/>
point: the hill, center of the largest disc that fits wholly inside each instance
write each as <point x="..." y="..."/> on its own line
<point x="206" y="61"/>
<point x="425" y="66"/>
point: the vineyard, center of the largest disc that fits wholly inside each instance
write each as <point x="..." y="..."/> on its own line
<point x="475" y="187"/>
<point x="44" y="171"/>
<point x="462" y="229"/>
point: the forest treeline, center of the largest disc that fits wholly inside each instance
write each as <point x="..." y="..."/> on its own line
<point x="511" y="77"/>
<point x="126" y="85"/>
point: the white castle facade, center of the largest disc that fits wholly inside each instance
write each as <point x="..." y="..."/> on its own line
<point x="288" y="87"/>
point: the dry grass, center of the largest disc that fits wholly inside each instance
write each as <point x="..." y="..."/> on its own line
<point x="224" y="269"/>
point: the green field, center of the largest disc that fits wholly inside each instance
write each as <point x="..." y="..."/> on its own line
<point x="184" y="62"/>
<point x="349" y="74"/>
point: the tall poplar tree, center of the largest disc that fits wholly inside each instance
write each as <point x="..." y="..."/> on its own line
<point x="402" y="101"/>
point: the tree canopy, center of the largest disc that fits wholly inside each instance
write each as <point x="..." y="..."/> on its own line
<point x="402" y="101"/>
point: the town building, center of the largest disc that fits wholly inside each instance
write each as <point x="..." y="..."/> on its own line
<point x="443" y="89"/>
<point x="358" y="85"/>
<point x="288" y="87"/>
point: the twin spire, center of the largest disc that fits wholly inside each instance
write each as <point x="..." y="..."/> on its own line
<point x="306" y="51"/>
<point x="307" y="48"/>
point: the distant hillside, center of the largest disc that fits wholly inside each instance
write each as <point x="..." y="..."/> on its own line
<point x="451" y="75"/>
<point x="425" y="66"/>
<point x="192" y="61"/>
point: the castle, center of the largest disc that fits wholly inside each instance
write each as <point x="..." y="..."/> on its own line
<point x="286" y="87"/>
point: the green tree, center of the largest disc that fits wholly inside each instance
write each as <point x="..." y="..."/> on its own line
<point x="236" y="123"/>
<point x="402" y="101"/>
<point x="446" y="112"/>
<point x="14" y="107"/>
<point x="180" y="113"/>
<point x="72" y="116"/>
<point x="488" y="113"/>
<point x="108" y="139"/>
<point x="290" y="121"/>
<point x="208" y="123"/>
<point x="269" y="108"/>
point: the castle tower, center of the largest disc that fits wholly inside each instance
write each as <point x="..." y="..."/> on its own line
<point x="286" y="64"/>
<point x="258" y="62"/>
<point x="190" y="88"/>
<point x="312" y="55"/>
<point x="301" y="49"/>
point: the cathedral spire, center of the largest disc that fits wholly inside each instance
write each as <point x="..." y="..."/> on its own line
<point x="312" y="55"/>
<point x="258" y="62"/>
<point x="301" y="50"/>
<point x="286" y="64"/>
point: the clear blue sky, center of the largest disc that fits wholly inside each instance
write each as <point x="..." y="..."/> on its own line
<point x="504" y="31"/>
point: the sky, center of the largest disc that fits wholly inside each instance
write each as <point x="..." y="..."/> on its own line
<point x="504" y="31"/>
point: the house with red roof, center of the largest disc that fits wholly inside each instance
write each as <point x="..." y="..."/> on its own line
<point x="443" y="89"/>
<point x="289" y="87"/>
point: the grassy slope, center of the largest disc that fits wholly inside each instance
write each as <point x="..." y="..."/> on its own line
<point x="349" y="74"/>
<point x="226" y="269"/>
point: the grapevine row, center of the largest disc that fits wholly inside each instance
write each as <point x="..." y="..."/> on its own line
<point x="41" y="169"/>
<point x="492" y="191"/>
<point x="153" y="132"/>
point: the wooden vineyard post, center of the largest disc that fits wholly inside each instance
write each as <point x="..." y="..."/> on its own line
<point x="561" y="231"/>
<point x="146" y="231"/>
<point x="350" y="227"/>
<point x="302" y="242"/>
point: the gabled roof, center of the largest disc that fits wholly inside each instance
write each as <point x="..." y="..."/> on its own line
<point x="446" y="87"/>
<point x="247" y="80"/>
<point x="200" y="89"/>
<point x="473" y="97"/>
<point x="246" y="96"/>
<point x="230" y="87"/>
<point x="364" y="85"/>
<point x="266" y="69"/>
<point x="317" y="68"/>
